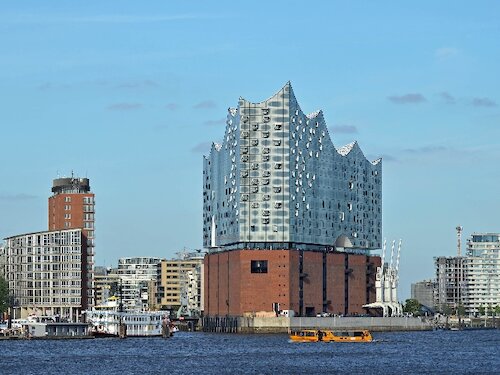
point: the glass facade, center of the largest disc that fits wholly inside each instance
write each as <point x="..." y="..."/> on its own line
<point x="277" y="180"/>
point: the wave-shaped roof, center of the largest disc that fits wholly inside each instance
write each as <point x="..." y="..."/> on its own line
<point x="344" y="150"/>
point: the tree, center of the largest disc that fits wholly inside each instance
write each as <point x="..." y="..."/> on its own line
<point x="482" y="310"/>
<point x="461" y="310"/>
<point x="412" y="306"/>
<point x="4" y="295"/>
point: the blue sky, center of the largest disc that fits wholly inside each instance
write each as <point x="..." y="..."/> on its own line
<point x="131" y="94"/>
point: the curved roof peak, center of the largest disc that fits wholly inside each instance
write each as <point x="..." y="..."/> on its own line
<point x="344" y="150"/>
<point x="288" y="85"/>
<point x="314" y="114"/>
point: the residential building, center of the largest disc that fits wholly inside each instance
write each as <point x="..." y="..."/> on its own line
<point x="72" y="206"/>
<point x="482" y="272"/>
<point x="180" y="284"/>
<point x="135" y="275"/>
<point x="288" y="218"/>
<point x="106" y="285"/>
<point x="424" y="292"/>
<point x="46" y="273"/>
<point x="450" y="279"/>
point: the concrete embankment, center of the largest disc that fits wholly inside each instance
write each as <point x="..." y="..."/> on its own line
<point x="285" y="324"/>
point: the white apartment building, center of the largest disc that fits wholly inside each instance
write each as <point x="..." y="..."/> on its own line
<point x="44" y="273"/>
<point x="136" y="274"/>
<point x="482" y="272"/>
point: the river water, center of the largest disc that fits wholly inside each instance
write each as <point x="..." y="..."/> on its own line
<point x="437" y="352"/>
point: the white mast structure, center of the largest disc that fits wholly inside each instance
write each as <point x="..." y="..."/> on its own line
<point x="379" y="278"/>
<point x="386" y="282"/>
<point x="397" y="308"/>
<point x="388" y="279"/>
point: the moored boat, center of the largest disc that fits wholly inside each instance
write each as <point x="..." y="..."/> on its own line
<point x="138" y="324"/>
<point x="325" y="335"/>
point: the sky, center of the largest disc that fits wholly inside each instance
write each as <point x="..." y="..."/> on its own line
<point x="131" y="95"/>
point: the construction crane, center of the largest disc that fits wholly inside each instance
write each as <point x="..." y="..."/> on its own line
<point x="459" y="239"/>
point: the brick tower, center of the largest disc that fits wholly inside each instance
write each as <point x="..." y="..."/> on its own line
<point x="72" y="206"/>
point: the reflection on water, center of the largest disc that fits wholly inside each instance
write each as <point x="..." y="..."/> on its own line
<point x="440" y="352"/>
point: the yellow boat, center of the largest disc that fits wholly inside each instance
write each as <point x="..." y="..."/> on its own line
<point x="325" y="335"/>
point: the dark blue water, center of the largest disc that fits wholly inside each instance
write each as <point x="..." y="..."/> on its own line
<point x="440" y="352"/>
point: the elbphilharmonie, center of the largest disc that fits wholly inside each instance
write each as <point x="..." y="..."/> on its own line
<point x="288" y="218"/>
<point x="277" y="181"/>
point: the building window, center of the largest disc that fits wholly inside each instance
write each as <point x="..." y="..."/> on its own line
<point x="258" y="266"/>
<point x="67" y="199"/>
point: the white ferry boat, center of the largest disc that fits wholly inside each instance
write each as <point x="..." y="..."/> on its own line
<point x="106" y="323"/>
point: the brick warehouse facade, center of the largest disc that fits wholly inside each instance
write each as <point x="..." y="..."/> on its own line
<point x="240" y="282"/>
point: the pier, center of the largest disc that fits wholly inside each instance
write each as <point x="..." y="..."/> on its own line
<point x="286" y="324"/>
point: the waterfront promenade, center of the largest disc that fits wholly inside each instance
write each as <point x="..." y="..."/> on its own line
<point x="285" y="324"/>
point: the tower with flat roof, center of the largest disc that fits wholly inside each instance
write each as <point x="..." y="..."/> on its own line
<point x="71" y="206"/>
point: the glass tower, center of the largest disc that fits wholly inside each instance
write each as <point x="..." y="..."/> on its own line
<point x="277" y="181"/>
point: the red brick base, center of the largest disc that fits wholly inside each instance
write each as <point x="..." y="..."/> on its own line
<point x="335" y="283"/>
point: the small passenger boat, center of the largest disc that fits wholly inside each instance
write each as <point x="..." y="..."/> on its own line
<point x="325" y="335"/>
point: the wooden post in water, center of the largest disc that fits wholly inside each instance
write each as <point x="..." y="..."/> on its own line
<point x="122" y="330"/>
<point x="165" y="328"/>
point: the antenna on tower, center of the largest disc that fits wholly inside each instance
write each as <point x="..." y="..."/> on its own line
<point x="459" y="239"/>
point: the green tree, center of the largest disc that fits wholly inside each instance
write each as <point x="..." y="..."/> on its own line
<point x="461" y="310"/>
<point x="446" y="310"/>
<point x="481" y="310"/>
<point x="412" y="306"/>
<point x="4" y="295"/>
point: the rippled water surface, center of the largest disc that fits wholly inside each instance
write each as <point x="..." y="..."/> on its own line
<point x="440" y="352"/>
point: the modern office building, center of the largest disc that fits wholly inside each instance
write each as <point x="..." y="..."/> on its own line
<point x="180" y="284"/>
<point x="136" y="275"/>
<point x="45" y="272"/>
<point x="288" y="218"/>
<point x="71" y="206"/>
<point x="424" y="292"/>
<point x="482" y="272"/>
